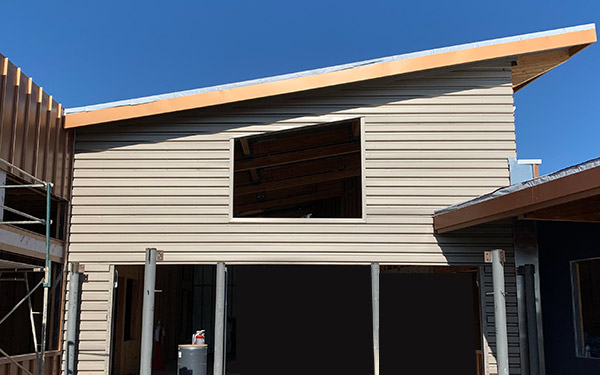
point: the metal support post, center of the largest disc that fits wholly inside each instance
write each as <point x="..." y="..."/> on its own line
<point x="148" y="312"/>
<point x="375" y="303"/>
<point x="44" y="325"/>
<point x="522" y="314"/>
<point x="33" y="333"/>
<point x="72" y="323"/>
<point x="219" y="359"/>
<point x="497" y="260"/>
<point x="528" y="272"/>
<point x="48" y="222"/>
<point x="47" y="278"/>
<point x="2" y="194"/>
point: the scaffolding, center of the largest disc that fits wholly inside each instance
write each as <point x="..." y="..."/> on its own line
<point x="17" y="267"/>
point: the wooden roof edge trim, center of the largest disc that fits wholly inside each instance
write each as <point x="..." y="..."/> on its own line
<point x="563" y="190"/>
<point x="338" y="77"/>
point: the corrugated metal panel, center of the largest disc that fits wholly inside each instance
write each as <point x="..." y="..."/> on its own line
<point x="431" y="141"/>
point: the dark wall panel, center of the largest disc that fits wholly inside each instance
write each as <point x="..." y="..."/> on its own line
<point x="559" y="244"/>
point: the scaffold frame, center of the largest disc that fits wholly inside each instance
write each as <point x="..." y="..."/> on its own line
<point x="46" y="281"/>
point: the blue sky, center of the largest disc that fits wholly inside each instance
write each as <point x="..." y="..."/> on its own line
<point x="93" y="52"/>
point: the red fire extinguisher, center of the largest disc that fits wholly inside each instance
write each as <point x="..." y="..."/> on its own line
<point x="198" y="338"/>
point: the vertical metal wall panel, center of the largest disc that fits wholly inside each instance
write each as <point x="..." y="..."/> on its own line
<point x="21" y="103"/>
<point x="50" y="141"/>
<point x="19" y="116"/>
<point x="8" y="104"/>
<point x="21" y="142"/>
<point x="45" y="136"/>
<point x="38" y="131"/>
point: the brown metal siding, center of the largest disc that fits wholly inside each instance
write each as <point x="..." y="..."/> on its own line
<point x="25" y="139"/>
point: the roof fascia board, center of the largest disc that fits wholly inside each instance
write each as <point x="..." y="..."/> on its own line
<point x="563" y="190"/>
<point x="338" y="77"/>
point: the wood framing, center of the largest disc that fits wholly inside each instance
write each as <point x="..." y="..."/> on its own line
<point x="333" y="159"/>
<point x="292" y="170"/>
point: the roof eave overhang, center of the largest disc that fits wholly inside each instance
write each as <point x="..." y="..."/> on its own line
<point x="567" y="189"/>
<point x="578" y="39"/>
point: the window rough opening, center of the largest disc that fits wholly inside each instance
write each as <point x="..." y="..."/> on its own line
<point x="313" y="172"/>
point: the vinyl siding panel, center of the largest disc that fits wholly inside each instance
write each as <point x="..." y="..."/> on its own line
<point x="428" y="145"/>
<point x="94" y="319"/>
<point x="489" y="328"/>
<point x="430" y="141"/>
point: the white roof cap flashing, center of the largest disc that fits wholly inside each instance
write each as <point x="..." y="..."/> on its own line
<point x="529" y="161"/>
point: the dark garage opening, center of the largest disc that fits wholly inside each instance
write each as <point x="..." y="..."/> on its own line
<point x="301" y="320"/>
<point x="184" y="304"/>
<point x="429" y="323"/>
<point x="283" y="319"/>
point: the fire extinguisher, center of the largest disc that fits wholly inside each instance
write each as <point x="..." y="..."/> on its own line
<point x="198" y="338"/>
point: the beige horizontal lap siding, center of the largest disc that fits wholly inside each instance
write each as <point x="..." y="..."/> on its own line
<point x="95" y="323"/>
<point x="431" y="141"/>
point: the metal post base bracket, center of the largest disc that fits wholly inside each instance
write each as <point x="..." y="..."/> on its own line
<point x="487" y="256"/>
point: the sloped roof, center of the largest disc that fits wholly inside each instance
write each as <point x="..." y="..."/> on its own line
<point x="581" y="181"/>
<point x="537" y="54"/>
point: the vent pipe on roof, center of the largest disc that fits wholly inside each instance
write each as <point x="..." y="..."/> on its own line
<point x="523" y="169"/>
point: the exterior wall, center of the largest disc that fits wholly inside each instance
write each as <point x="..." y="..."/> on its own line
<point x="33" y="139"/>
<point x="431" y="141"/>
<point x="32" y="135"/>
<point x="559" y="244"/>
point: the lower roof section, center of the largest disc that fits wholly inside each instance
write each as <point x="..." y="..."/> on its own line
<point x="571" y="194"/>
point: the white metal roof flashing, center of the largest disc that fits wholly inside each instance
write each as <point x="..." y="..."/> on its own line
<point x="435" y="51"/>
<point x="594" y="163"/>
